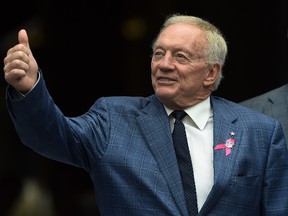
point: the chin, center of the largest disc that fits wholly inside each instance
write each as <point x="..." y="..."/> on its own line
<point x="164" y="97"/>
<point x="165" y="92"/>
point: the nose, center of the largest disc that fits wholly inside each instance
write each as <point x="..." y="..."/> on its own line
<point x="167" y="63"/>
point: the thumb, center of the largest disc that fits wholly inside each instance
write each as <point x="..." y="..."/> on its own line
<point x="23" y="38"/>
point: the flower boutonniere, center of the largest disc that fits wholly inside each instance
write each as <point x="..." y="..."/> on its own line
<point x="230" y="142"/>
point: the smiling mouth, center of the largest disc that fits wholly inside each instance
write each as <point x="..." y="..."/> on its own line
<point x="165" y="79"/>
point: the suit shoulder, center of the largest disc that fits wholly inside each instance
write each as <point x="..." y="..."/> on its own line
<point x="124" y="100"/>
<point x="125" y="103"/>
<point x="282" y="90"/>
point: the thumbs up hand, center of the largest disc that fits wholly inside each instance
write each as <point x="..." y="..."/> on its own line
<point x="20" y="67"/>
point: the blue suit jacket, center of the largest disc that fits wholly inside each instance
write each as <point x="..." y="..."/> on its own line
<point x="125" y="144"/>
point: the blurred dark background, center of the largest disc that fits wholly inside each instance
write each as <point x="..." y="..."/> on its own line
<point x="92" y="49"/>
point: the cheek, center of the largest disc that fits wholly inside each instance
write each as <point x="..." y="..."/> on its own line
<point x="153" y="68"/>
<point x="191" y="80"/>
<point x="153" y="74"/>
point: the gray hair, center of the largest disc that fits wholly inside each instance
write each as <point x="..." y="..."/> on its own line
<point x="216" y="49"/>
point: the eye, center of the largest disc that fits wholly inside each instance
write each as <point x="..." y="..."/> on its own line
<point x="181" y="58"/>
<point x="180" y="55"/>
<point x="158" y="54"/>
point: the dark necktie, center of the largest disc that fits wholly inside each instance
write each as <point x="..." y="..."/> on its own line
<point x="184" y="162"/>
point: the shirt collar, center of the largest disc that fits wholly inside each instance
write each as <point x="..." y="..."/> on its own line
<point x="199" y="113"/>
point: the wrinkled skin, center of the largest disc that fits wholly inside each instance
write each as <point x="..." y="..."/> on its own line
<point x="180" y="75"/>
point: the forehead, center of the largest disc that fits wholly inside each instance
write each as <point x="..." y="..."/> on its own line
<point x="182" y="36"/>
<point x="182" y="32"/>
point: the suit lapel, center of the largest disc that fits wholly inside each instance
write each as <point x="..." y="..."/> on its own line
<point x="159" y="139"/>
<point x="223" y="164"/>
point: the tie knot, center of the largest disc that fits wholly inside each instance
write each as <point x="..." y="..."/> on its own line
<point x="179" y="114"/>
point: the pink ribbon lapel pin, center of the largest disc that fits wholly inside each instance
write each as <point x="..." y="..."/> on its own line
<point x="228" y="145"/>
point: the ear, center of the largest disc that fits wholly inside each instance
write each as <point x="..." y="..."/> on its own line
<point x="212" y="74"/>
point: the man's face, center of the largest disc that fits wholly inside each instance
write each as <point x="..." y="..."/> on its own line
<point x="178" y="67"/>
